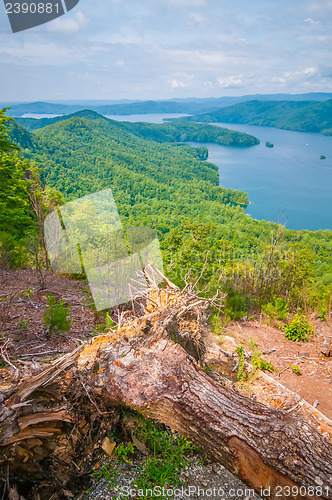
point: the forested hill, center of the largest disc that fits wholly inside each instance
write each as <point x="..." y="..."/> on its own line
<point x="177" y="131"/>
<point x="201" y="226"/>
<point x="291" y="115"/>
<point x="154" y="183"/>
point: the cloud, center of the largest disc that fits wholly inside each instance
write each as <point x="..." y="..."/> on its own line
<point x="312" y="22"/>
<point x="34" y="53"/>
<point x="230" y="81"/>
<point x="68" y="25"/>
<point x="177" y="84"/>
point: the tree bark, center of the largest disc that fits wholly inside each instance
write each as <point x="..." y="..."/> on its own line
<point x="145" y="365"/>
<point x="264" y="447"/>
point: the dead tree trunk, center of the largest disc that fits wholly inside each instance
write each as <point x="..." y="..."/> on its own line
<point x="262" y="446"/>
<point x="149" y="366"/>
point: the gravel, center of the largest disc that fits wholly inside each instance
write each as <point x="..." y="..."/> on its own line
<point x="196" y="481"/>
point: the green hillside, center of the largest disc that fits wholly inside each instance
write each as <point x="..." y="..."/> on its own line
<point x="302" y="116"/>
<point x="174" y="131"/>
<point x="202" y="227"/>
<point x="81" y="155"/>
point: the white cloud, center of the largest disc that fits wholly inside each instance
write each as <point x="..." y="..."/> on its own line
<point x="312" y="22"/>
<point x="68" y="25"/>
<point x="230" y="81"/>
<point x="177" y="84"/>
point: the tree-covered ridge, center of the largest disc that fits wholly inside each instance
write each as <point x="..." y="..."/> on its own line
<point x="298" y="115"/>
<point x="173" y="131"/>
<point x="182" y="131"/>
<point x="201" y="227"/>
<point x="80" y="156"/>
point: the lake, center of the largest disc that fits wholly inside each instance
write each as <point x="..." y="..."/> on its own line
<point x="287" y="183"/>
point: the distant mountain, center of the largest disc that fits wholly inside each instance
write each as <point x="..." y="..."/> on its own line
<point x="35" y="123"/>
<point x="309" y="116"/>
<point x="188" y="106"/>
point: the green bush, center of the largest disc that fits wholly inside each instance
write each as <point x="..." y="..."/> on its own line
<point x="258" y="362"/>
<point x="56" y="316"/>
<point x="299" y="329"/>
<point x="276" y="310"/>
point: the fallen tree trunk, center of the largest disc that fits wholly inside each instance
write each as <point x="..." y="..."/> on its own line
<point x="145" y="366"/>
<point x="264" y="447"/>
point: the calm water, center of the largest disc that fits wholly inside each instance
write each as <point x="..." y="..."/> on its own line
<point x="287" y="183"/>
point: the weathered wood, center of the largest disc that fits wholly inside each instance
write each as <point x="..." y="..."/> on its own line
<point x="148" y="365"/>
<point x="262" y="446"/>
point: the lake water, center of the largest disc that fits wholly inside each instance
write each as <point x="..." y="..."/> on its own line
<point x="288" y="183"/>
<point x="38" y="116"/>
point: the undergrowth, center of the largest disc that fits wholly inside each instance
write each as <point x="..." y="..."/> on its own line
<point x="167" y="455"/>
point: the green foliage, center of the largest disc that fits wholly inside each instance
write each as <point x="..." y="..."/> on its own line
<point x="241" y="373"/>
<point x="108" y="321"/>
<point x="258" y="362"/>
<point x="296" y="370"/>
<point x="56" y="316"/>
<point x="300" y="329"/>
<point x="308" y="116"/>
<point x="23" y="324"/>
<point x="276" y="310"/>
<point x="123" y="450"/>
<point x="169" y="453"/>
<point x="237" y="304"/>
<point x="5" y="143"/>
<point x="108" y="473"/>
<point x="202" y="227"/>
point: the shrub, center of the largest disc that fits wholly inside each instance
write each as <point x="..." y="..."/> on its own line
<point x="299" y="329"/>
<point x="56" y="316"/>
<point x="276" y="310"/>
<point x="296" y="370"/>
<point x="258" y="362"/>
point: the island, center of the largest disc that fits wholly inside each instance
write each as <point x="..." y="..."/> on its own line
<point x="322" y="157"/>
<point x="269" y="144"/>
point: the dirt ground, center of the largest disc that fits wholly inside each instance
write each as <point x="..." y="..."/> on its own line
<point x="23" y="301"/>
<point x="25" y="348"/>
<point x="24" y="343"/>
<point x="314" y="384"/>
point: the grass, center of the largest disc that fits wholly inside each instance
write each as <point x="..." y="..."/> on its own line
<point x="168" y="454"/>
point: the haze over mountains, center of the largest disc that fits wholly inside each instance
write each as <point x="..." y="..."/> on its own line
<point x="126" y="107"/>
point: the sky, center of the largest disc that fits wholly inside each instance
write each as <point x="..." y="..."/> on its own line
<point x="164" y="49"/>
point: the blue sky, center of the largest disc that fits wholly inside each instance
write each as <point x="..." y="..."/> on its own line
<point x="161" y="49"/>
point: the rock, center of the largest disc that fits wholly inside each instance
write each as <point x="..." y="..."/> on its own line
<point x="327" y="346"/>
<point x="304" y="354"/>
<point x="108" y="447"/>
<point x="215" y="468"/>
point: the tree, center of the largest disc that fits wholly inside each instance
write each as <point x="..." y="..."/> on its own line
<point x="146" y="366"/>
